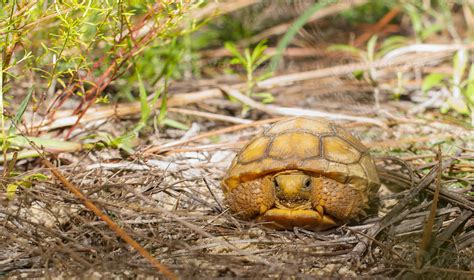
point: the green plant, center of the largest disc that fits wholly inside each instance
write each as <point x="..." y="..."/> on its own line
<point x="77" y="49"/>
<point x="26" y="181"/>
<point x="371" y="55"/>
<point x="251" y="60"/>
<point x="12" y="141"/>
<point x="460" y="85"/>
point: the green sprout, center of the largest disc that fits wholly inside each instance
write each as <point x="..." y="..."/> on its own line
<point x="251" y="60"/>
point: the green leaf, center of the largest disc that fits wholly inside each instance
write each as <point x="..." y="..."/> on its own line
<point x="175" y="124"/>
<point x="358" y="74"/>
<point x="415" y="16"/>
<point x="49" y="144"/>
<point x="432" y="80"/>
<point x="459" y="66"/>
<point x="235" y="61"/>
<point x="371" y="48"/>
<point x="469" y="92"/>
<point x="458" y="105"/>
<point x="258" y="50"/>
<point x="11" y="191"/>
<point x="390" y="44"/>
<point x="345" y="48"/>
<point x="21" y="110"/>
<point x="261" y="60"/>
<point x="233" y="50"/>
<point x="264" y="76"/>
<point x="163" y="108"/>
<point x="430" y="30"/>
<point x="24" y="182"/>
<point x="36" y="176"/>
<point x="266" y="97"/>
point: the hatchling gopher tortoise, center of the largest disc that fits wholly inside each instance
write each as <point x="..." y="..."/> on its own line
<point x="303" y="172"/>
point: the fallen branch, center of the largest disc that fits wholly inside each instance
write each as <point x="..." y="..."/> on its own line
<point x="67" y="118"/>
<point x="288" y="111"/>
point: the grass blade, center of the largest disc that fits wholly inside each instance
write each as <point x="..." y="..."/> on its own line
<point x="21" y="111"/>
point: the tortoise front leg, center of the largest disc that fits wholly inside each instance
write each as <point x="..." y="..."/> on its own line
<point x="252" y="198"/>
<point x="341" y="201"/>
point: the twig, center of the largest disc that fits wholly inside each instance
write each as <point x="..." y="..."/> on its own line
<point x="68" y="118"/>
<point x="209" y="115"/>
<point x="288" y="111"/>
<point x="209" y="134"/>
<point x="378" y="26"/>
<point x="407" y="61"/>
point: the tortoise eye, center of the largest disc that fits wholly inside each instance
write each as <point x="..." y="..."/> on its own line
<point x="307" y="184"/>
<point x="275" y="183"/>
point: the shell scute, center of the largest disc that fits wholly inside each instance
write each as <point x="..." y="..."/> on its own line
<point x="348" y="137"/>
<point x="294" y="144"/>
<point x="370" y="170"/>
<point x="337" y="150"/>
<point x="255" y="150"/>
<point x="337" y="171"/>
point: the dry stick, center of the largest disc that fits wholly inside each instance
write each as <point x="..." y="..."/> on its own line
<point x="378" y="26"/>
<point x="211" y="147"/>
<point x="91" y="206"/>
<point x="220" y="8"/>
<point x="408" y="140"/>
<point x="388" y="219"/>
<point x="287" y="111"/>
<point x="209" y="134"/>
<point x="427" y="232"/>
<point x="211" y="116"/>
<point x="349" y="68"/>
<point x="68" y="118"/>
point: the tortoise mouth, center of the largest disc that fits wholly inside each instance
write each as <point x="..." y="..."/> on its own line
<point x="302" y="204"/>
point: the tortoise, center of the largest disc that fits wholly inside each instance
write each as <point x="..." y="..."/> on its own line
<point x="301" y="172"/>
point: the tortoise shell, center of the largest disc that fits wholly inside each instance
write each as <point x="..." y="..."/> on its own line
<point x="312" y="145"/>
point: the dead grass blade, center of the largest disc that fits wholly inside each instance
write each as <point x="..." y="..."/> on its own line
<point x="428" y="230"/>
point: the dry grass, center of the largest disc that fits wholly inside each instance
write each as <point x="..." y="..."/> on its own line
<point x="47" y="231"/>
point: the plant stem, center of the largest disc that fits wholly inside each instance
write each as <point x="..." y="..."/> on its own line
<point x="2" y="120"/>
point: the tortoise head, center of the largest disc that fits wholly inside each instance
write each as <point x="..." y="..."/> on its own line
<point x="293" y="189"/>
